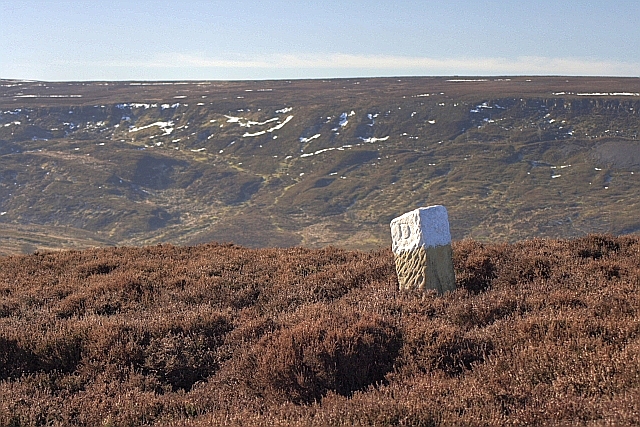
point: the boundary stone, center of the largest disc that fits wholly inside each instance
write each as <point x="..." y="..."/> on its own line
<point x="422" y="250"/>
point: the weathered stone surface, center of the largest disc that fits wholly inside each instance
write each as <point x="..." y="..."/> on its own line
<point x="422" y="250"/>
<point x="429" y="268"/>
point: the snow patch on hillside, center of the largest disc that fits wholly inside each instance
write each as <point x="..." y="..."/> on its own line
<point x="372" y="139"/>
<point x="311" y="138"/>
<point x="166" y="127"/>
<point x="136" y="105"/>
<point x="598" y="93"/>
<point x="343" y="120"/>
<point x="231" y="119"/>
<point x="277" y="127"/>
<point x="252" y="123"/>
<point x="247" y="134"/>
<point x="609" y="94"/>
<point x="47" y="96"/>
<point x="467" y="80"/>
<point x="281" y="125"/>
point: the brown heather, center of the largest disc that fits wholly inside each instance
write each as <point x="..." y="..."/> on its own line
<point x="539" y="332"/>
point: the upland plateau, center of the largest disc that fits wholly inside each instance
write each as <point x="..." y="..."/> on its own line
<point x="314" y="162"/>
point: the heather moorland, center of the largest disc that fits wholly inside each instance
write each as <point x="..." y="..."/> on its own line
<point x="538" y="332"/>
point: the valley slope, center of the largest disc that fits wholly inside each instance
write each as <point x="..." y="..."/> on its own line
<point x="314" y="162"/>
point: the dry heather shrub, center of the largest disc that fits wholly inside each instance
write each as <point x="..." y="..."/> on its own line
<point x="177" y="351"/>
<point x="31" y="350"/>
<point x="437" y="345"/>
<point x="476" y="266"/>
<point x="340" y="352"/>
<point x="540" y="332"/>
<point x="14" y="360"/>
<point x="597" y="246"/>
<point x="179" y="360"/>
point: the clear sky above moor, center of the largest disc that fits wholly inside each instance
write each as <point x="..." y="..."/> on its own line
<point x="194" y="39"/>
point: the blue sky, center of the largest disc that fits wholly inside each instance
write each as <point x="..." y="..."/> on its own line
<point x="251" y="40"/>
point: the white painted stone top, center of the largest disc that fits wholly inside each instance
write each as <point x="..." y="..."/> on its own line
<point x="423" y="227"/>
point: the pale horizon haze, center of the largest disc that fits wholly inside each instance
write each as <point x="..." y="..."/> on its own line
<point x="255" y="40"/>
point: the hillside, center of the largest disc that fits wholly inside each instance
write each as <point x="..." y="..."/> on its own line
<point x="314" y="162"/>
<point x="540" y="332"/>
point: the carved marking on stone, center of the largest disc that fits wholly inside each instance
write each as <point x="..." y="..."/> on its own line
<point x="422" y="250"/>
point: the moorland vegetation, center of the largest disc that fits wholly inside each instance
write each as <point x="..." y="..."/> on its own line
<point x="314" y="162"/>
<point x="538" y="332"/>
